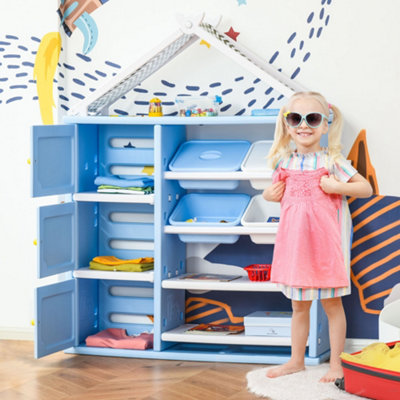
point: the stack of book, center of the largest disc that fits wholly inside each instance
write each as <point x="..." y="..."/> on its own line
<point x="215" y="329"/>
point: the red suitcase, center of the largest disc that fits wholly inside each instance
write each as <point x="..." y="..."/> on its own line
<point x="370" y="382"/>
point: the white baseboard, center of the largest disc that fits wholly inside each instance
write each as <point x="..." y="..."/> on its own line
<point x="353" y="345"/>
<point x="12" y="333"/>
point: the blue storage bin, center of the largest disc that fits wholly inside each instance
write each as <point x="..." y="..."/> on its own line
<point x="209" y="155"/>
<point x="209" y="209"/>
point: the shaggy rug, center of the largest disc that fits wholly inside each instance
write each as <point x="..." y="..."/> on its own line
<point x="303" y="385"/>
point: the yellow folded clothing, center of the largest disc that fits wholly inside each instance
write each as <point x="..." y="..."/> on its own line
<point x="122" y="267"/>
<point x="378" y="355"/>
<point x="111" y="260"/>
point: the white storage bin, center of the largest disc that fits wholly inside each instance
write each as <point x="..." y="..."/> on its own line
<point x="256" y="161"/>
<point x="264" y="213"/>
<point x="268" y="323"/>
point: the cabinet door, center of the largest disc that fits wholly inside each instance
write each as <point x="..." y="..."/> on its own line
<point x="53" y="159"/>
<point x="56" y="239"/>
<point x="55" y="314"/>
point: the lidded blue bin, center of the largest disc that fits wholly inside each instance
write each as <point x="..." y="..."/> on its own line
<point x="212" y="210"/>
<point x="209" y="156"/>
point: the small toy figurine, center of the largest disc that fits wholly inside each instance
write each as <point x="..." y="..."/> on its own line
<point x="155" y="109"/>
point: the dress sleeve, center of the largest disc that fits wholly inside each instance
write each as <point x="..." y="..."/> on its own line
<point x="343" y="170"/>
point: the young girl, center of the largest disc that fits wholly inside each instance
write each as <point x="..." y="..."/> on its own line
<point x="312" y="248"/>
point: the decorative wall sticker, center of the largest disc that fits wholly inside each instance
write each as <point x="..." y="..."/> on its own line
<point x="375" y="259"/>
<point x="230" y="88"/>
<point x="225" y="307"/>
<point x="89" y="75"/>
<point x="375" y="266"/>
<point x="18" y="56"/>
<point x="16" y="76"/>
<point x="200" y="302"/>
<point x="232" y="34"/>
<point x="360" y="159"/>
<point x="205" y="43"/>
<point x="44" y="71"/>
<point x="76" y="14"/>
<point x="375" y="254"/>
<point x="316" y="21"/>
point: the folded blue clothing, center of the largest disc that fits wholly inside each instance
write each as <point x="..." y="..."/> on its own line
<point x="113" y="180"/>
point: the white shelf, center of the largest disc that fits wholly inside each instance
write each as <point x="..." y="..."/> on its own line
<point x="178" y="335"/>
<point x="258" y="234"/>
<point x="145" y="276"/>
<point x="204" y="175"/>
<point x="221" y="230"/>
<point x="114" y="197"/>
<point x="144" y="120"/>
<point x="241" y="284"/>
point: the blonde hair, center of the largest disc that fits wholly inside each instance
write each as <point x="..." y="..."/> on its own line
<point x="281" y="147"/>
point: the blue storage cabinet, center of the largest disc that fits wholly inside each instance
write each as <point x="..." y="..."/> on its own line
<point x="66" y="159"/>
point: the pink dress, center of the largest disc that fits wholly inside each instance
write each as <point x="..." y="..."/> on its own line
<point x="308" y="251"/>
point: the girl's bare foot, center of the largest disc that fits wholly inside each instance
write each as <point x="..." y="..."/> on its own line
<point x="285" y="369"/>
<point x="334" y="373"/>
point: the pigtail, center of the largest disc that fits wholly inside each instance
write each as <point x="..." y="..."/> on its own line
<point x="335" y="135"/>
<point x="281" y="145"/>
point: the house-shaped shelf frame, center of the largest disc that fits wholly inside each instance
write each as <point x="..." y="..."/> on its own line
<point x="190" y="30"/>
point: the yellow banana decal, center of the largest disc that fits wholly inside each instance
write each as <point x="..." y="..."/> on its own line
<point x="44" y="70"/>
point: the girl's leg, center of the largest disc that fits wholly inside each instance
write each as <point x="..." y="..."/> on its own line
<point x="299" y="329"/>
<point x="337" y="336"/>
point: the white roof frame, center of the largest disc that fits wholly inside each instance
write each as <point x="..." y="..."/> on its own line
<point x="190" y="30"/>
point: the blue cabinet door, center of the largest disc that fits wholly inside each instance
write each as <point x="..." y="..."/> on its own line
<point x="53" y="159"/>
<point x="57" y="239"/>
<point x="55" y="313"/>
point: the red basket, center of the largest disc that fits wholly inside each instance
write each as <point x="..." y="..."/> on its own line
<point x="259" y="272"/>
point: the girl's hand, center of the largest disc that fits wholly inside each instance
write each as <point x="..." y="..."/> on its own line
<point x="274" y="192"/>
<point x="357" y="186"/>
<point x="330" y="184"/>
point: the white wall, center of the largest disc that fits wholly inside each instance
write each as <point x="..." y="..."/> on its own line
<point x="354" y="62"/>
<point x="22" y="20"/>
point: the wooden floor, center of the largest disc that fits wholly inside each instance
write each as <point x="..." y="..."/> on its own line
<point x="73" y="377"/>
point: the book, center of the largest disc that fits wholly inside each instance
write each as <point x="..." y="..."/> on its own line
<point x="209" y="277"/>
<point x="215" y="329"/>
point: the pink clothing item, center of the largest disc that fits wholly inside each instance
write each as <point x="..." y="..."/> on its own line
<point x="118" y="339"/>
<point x="307" y="251"/>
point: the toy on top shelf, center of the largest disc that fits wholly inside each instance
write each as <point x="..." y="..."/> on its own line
<point x="200" y="106"/>
<point x="155" y="108"/>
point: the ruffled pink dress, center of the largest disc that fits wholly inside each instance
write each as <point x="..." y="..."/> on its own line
<point x="308" y="251"/>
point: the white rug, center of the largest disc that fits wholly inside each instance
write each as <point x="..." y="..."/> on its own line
<point x="303" y="385"/>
